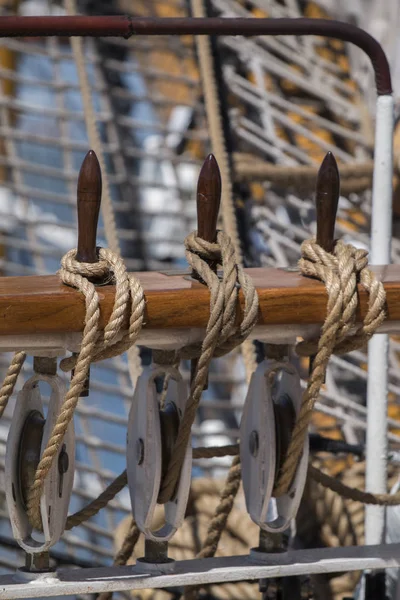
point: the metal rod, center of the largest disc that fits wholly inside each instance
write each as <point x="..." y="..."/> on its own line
<point x="202" y="571"/>
<point x="381" y="236"/>
<point x="126" y="26"/>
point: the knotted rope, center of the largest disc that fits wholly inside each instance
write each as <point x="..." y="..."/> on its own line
<point x="340" y="271"/>
<point x="129" y="300"/>
<point x="222" y="332"/>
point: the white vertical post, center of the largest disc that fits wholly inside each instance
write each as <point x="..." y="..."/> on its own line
<point x="381" y="235"/>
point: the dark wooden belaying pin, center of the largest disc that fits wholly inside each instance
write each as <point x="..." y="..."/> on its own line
<point x="208" y="201"/>
<point x="88" y="201"/>
<point x="326" y="202"/>
<point x="88" y="204"/>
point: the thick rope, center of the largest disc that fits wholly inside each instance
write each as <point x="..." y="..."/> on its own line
<point x="221" y="332"/>
<point x="111" y="266"/>
<point x="100" y="502"/>
<point x="10" y="380"/>
<point x="120" y="482"/>
<point x="353" y="493"/>
<point x="218" y="522"/>
<point x="339" y="271"/>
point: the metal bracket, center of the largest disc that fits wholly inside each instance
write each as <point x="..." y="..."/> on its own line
<point x="274" y="389"/>
<point x="145" y="454"/>
<point x="54" y="503"/>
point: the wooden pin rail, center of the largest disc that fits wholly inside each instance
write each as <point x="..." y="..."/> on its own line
<point x="43" y="305"/>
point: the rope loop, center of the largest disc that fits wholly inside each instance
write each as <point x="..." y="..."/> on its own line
<point x="205" y="250"/>
<point x="100" y="269"/>
<point x="128" y="305"/>
<point x="340" y="270"/>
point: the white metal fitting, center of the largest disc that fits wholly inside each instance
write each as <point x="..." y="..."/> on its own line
<point x="22" y="446"/>
<point x="144" y="453"/>
<point x="274" y="391"/>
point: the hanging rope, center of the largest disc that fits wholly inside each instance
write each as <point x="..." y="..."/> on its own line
<point x="340" y="271"/>
<point x="222" y="333"/>
<point x="128" y="304"/>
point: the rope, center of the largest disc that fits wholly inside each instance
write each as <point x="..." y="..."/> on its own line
<point x="339" y="271"/>
<point x="353" y="493"/>
<point x="222" y="333"/>
<point x="10" y="380"/>
<point x="120" y="482"/>
<point x="128" y="295"/>
<point x="94" y="507"/>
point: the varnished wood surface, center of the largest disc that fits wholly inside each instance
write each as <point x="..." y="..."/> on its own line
<point x="41" y="304"/>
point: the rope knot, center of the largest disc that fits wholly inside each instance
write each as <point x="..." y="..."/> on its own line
<point x="340" y="271"/>
<point x="98" y="270"/>
<point x="207" y="251"/>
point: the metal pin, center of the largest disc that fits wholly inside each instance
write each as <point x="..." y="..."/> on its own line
<point x="208" y="203"/>
<point x="326" y="201"/>
<point x="88" y="204"/>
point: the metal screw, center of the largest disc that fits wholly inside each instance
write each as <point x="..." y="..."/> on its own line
<point x="253" y="443"/>
<point x="139" y="451"/>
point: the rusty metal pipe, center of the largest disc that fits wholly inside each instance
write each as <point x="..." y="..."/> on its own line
<point x="126" y="26"/>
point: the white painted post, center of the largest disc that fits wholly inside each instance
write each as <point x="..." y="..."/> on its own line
<point x="381" y="235"/>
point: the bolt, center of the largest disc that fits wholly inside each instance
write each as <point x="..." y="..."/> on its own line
<point x="253" y="443"/>
<point x="139" y="451"/>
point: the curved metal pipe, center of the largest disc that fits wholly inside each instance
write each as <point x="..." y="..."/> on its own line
<point x="127" y="26"/>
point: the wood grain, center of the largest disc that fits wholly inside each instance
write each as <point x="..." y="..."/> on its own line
<point x="42" y="304"/>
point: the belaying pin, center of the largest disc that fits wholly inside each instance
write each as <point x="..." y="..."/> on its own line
<point x="272" y="405"/>
<point x="150" y="440"/>
<point x="27" y="439"/>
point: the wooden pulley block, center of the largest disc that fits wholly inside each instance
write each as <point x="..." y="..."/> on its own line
<point x="151" y="438"/>
<point x="28" y="436"/>
<point x="272" y="405"/>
